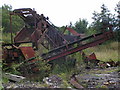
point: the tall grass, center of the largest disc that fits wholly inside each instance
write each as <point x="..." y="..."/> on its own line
<point x="105" y="52"/>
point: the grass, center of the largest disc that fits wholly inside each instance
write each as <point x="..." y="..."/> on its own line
<point x="6" y="37"/>
<point x="105" y="52"/>
<point x="103" y="71"/>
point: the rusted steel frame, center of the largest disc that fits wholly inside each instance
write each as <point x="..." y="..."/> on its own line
<point x="73" y="50"/>
<point x="44" y="46"/>
<point x="62" y="37"/>
<point x="76" y="49"/>
<point x="95" y="36"/>
<point x="11" y="28"/>
<point x="22" y="42"/>
<point x="13" y="13"/>
<point x="22" y="13"/>
<point x="64" y="48"/>
<point x="22" y="31"/>
<point x="34" y="15"/>
<point x="43" y="35"/>
<point x="74" y="42"/>
<point x="29" y="63"/>
<point x="51" y="40"/>
<point x="9" y="44"/>
<point x="24" y="9"/>
<point x="94" y="43"/>
<point x="64" y="30"/>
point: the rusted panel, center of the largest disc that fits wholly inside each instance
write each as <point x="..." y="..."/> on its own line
<point x="92" y="56"/>
<point x="23" y="35"/>
<point x="15" y="54"/>
<point x="28" y="52"/>
<point x="73" y="31"/>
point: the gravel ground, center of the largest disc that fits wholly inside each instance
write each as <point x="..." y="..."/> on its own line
<point x="23" y="85"/>
<point x="100" y="78"/>
<point x="92" y="78"/>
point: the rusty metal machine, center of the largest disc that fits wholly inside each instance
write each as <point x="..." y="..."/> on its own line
<point x="38" y="30"/>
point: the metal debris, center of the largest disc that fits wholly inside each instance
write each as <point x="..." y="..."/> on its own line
<point x="13" y="77"/>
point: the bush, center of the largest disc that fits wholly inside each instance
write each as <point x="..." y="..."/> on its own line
<point x="44" y="70"/>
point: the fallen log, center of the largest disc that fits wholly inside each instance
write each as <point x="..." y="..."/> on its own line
<point x="13" y="77"/>
<point x="74" y="83"/>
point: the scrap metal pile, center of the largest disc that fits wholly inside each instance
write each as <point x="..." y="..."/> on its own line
<point x="38" y="30"/>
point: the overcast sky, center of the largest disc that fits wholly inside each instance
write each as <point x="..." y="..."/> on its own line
<point x="62" y="12"/>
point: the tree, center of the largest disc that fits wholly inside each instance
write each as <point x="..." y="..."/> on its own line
<point x="81" y="26"/>
<point x="17" y="22"/>
<point x="117" y="9"/>
<point x="117" y="29"/>
<point x="103" y="18"/>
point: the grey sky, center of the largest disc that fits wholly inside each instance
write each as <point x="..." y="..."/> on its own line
<point x="62" y="12"/>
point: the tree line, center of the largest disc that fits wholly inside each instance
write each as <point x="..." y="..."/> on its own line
<point x="105" y="17"/>
<point x="17" y="21"/>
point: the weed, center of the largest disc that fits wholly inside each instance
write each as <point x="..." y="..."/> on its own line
<point x="105" y="52"/>
<point x="65" y="77"/>
<point x="104" y="87"/>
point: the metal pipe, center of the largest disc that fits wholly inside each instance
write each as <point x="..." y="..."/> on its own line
<point x="11" y="28"/>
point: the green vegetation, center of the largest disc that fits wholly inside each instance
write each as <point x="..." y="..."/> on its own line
<point x="1" y="75"/>
<point x="17" y="22"/>
<point x="6" y="37"/>
<point x="81" y="26"/>
<point x="44" y="68"/>
<point x="105" y="52"/>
